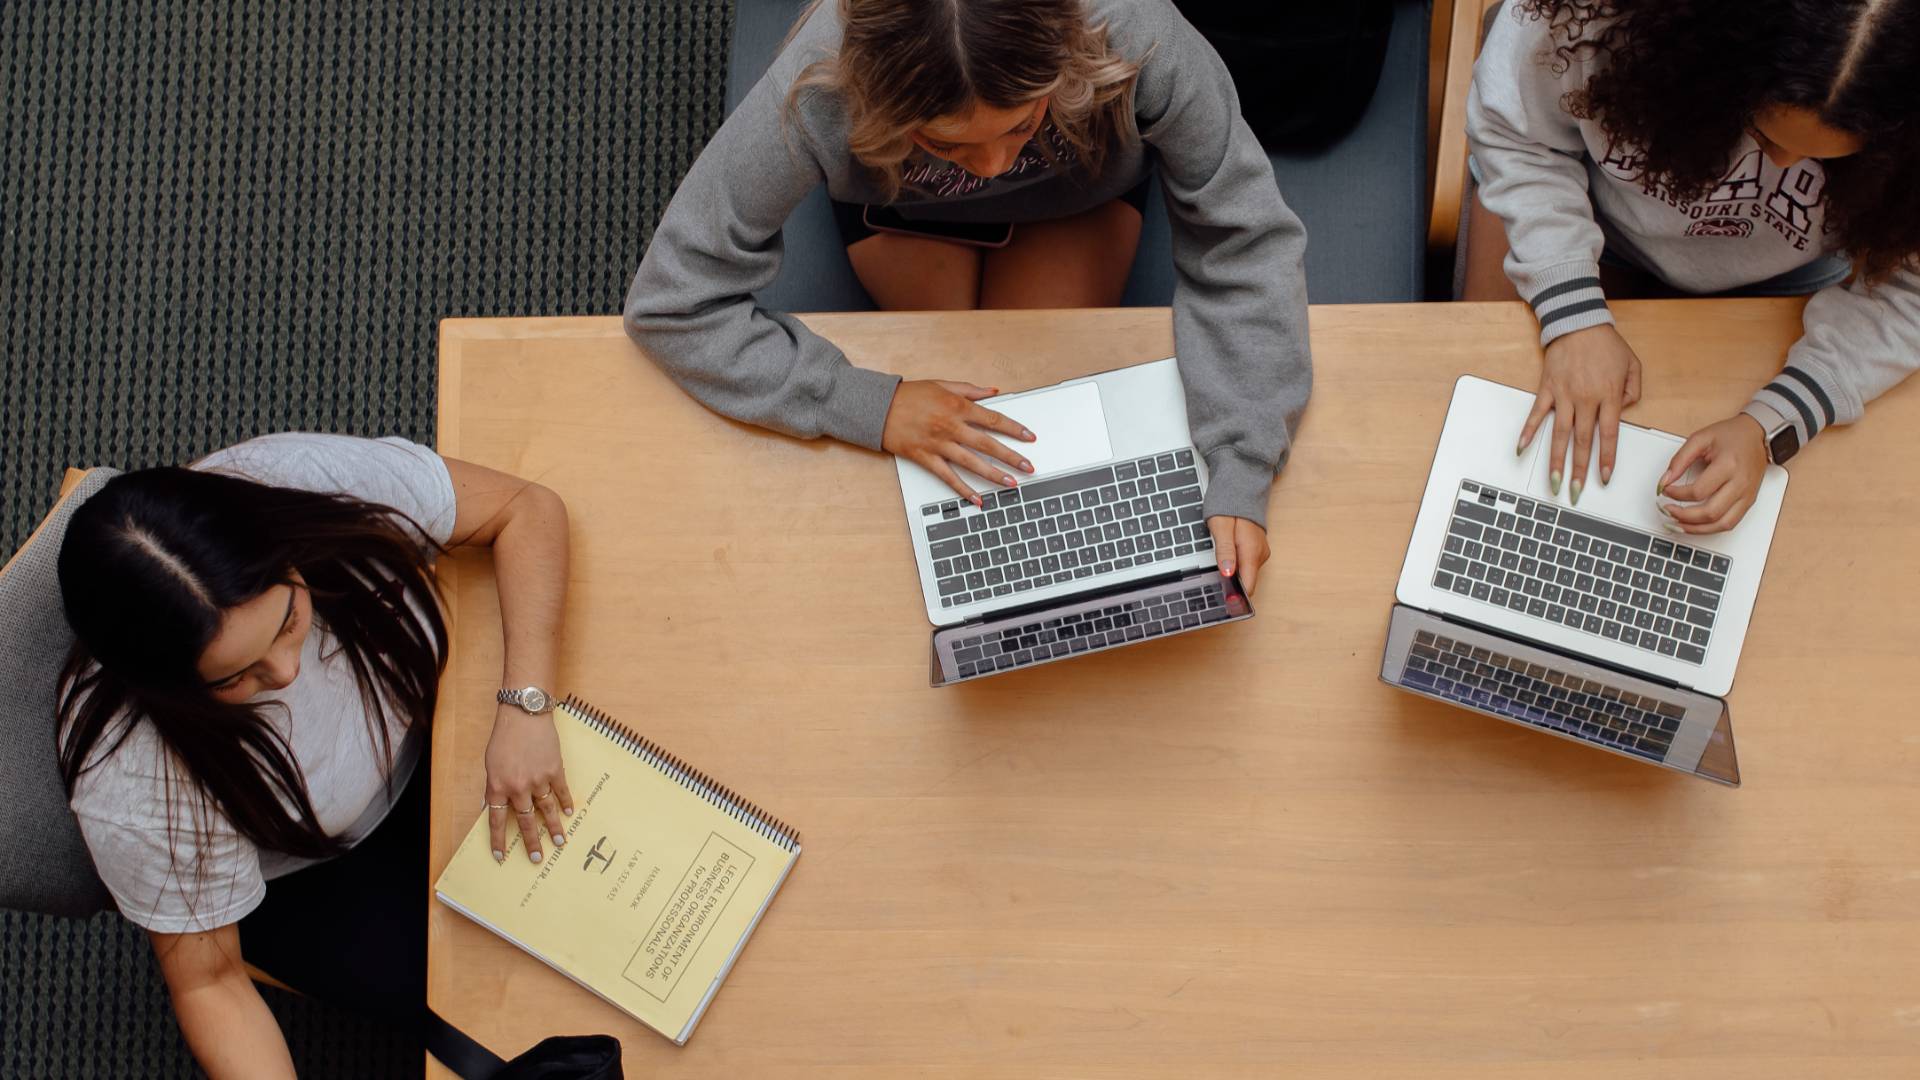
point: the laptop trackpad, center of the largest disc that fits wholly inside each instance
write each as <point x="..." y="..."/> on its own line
<point x="1069" y="424"/>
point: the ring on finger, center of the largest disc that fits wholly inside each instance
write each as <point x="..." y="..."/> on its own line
<point x="547" y="794"/>
<point x="523" y="813"/>
<point x="496" y="806"/>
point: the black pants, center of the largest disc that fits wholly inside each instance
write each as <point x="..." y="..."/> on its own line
<point x="352" y="931"/>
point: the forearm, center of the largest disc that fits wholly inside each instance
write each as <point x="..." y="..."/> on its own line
<point x="530" y="567"/>
<point x="229" y="1028"/>
<point x="1859" y="343"/>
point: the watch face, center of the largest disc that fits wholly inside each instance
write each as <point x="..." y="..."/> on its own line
<point x="534" y="699"/>
<point x="1784" y="444"/>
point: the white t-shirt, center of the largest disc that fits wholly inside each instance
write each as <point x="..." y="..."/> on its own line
<point x="168" y="879"/>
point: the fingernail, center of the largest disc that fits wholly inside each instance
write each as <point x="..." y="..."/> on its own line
<point x="1519" y="448"/>
<point x="1553" y="482"/>
<point x="1605" y="475"/>
<point x="1577" y="486"/>
<point x="1660" y="488"/>
<point x="1028" y="435"/>
<point x="1027" y="465"/>
<point x="569" y="811"/>
<point x="976" y="503"/>
<point x="534" y="855"/>
<point x="560" y="839"/>
<point x="499" y="856"/>
<point x="1226" y="569"/>
<point x="1007" y="480"/>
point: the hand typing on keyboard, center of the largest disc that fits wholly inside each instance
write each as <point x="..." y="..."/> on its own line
<point x="1239" y="544"/>
<point x="936" y="425"/>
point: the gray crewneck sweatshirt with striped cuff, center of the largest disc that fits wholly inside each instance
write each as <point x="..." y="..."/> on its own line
<point x="1565" y="190"/>
<point x="1240" y="301"/>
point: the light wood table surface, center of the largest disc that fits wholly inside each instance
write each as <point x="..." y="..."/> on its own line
<point x="1234" y="853"/>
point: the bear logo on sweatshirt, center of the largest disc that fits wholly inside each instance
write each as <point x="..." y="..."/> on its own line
<point x="1736" y="228"/>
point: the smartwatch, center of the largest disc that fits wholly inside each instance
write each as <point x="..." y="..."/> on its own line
<point x="1783" y="442"/>
<point x="532" y="699"/>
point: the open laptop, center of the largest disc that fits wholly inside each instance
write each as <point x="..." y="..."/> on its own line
<point x="1594" y="624"/>
<point x="1103" y="545"/>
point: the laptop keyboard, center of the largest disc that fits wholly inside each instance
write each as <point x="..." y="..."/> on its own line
<point x="1065" y="528"/>
<point x="1538" y="695"/>
<point x="1049" y="638"/>
<point x="1587" y="574"/>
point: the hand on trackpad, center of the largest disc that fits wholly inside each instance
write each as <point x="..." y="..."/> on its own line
<point x="1068" y="423"/>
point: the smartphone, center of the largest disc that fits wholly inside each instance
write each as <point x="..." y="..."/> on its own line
<point x="985" y="234"/>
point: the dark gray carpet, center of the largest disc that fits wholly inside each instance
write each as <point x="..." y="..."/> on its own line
<point x="225" y="218"/>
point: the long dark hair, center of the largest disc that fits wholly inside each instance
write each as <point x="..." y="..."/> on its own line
<point x="904" y="62"/>
<point x="1684" y="78"/>
<point x="148" y="567"/>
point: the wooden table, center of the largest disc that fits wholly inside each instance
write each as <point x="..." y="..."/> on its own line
<point x="1235" y="853"/>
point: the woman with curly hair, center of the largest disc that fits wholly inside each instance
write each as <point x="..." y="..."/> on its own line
<point x="990" y="153"/>
<point x="1702" y="147"/>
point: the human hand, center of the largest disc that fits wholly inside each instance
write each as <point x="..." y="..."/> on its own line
<point x="1735" y="453"/>
<point x="1589" y="376"/>
<point x="524" y="773"/>
<point x="1239" y="544"/>
<point x="936" y="425"/>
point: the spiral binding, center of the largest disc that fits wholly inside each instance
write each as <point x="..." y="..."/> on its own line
<point x="719" y="795"/>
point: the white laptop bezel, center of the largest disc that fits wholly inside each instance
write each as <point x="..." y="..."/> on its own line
<point x="1476" y="443"/>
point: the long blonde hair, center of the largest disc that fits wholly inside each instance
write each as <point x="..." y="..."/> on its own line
<point x="903" y="63"/>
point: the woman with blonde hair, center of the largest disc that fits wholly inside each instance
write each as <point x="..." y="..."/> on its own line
<point x="990" y="153"/>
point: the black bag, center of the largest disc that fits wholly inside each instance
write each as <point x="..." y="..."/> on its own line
<point x="1305" y="71"/>
<point x="562" y="1057"/>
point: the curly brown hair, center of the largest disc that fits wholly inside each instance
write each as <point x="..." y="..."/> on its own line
<point x="1682" y="80"/>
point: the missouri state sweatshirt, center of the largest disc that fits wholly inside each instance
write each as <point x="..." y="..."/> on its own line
<point x="1565" y="189"/>
<point x="1240" y="299"/>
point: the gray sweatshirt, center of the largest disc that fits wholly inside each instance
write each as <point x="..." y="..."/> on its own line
<point x="1239" y="306"/>
<point x="1565" y="191"/>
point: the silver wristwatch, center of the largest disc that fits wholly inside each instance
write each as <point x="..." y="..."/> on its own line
<point x="530" y="698"/>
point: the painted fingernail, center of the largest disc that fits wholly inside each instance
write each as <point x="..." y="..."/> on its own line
<point x="534" y="855"/>
<point x="560" y="839"/>
<point x="1519" y="448"/>
<point x="1226" y="569"/>
<point x="1577" y="487"/>
<point x="976" y="503"/>
<point x="569" y="811"/>
<point x="1553" y="482"/>
<point x="1027" y="465"/>
<point x="499" y="856"/>
<point x="1660" y="488"/>
<point x="1007" y="480"/>
<point x="1028" y="435"/>
<point x="1605" y="475"/>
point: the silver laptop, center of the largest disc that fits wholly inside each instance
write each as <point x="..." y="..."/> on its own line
<point x="1103" y="545"/>
<point x="1593" y="623"/>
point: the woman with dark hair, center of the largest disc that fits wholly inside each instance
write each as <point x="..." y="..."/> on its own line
<point x="1701" y="147"/>
<point x="243" y="720"/>
<point x="990" y="153"/>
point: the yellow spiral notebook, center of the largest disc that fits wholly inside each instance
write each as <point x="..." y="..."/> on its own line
<point x="663" y="878"/>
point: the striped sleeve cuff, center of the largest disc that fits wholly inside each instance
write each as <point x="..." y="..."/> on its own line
<point x="1795" y="397"/>
<point x="1568" y="298"/>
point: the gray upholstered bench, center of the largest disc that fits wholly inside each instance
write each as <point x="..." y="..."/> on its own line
<point x="44" y="862"/>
